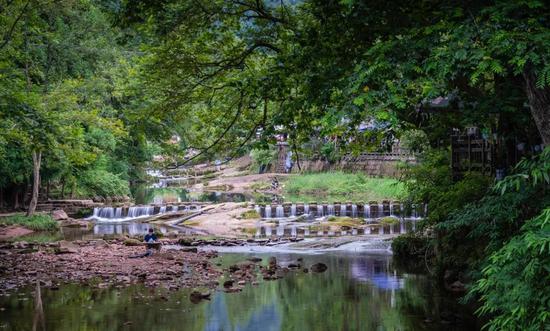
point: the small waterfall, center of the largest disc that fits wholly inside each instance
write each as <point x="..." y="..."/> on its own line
<point x="367" y="230"/>
<point x="293" y="210"/>
<point x="353" y="232"/>
<point x="259" y="231"/>
<point x="175" y="208"/>
<point x="367" y="210"/>
<point x="414" y="213"/>
<point x="402" y="228"/>
<point x="320" y="233"/>
<point x="330" y="210"/>
<point x="258" y="209"/>
<point x="293" y="231"/>
<point x="343" y="210"/>
<point x="402" y="210"/>
<point x="391" y="209"/>
<point x="391" y="228"/>
<point x="306" y="232"/>
<point x="381" y="230"/>
<point x="414" y="225"/>
<point x="118" y="212"/>
<point x="280" y="211"/>
<point x="354" y="210"/>
<point x="104" y="212"/>
<point x="306" y="209"/>
<point x="267" y="211"/>
<point x="162" y="209"/>
<point x="380" y="210"/>
<point x="425" y="210"/>
<point x="268" y="231"/>
<point x="280" y="230"/>
<point x="320" y="210"/>
<point x="139" y="211"/>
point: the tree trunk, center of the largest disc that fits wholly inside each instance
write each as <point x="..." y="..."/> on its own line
<point x="36" y="159"/>
<point x="539" y="102"/>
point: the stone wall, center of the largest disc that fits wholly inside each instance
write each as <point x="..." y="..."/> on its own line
<point x="372" y="164"/>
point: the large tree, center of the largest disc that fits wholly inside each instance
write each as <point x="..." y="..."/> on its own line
<point x="324" y="67"/>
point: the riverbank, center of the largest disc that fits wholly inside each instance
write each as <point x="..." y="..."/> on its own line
<point x="101" y="264"/>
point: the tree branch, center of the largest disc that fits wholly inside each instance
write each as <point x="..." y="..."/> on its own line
<point x="9" y="33"/>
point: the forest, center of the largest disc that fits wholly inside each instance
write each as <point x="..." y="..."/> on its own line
<point x="92" y="92"/>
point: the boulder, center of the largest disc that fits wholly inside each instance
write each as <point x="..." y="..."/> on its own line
<point x="196" y="296"/>
<point x="59" y="215"/>
<point x="132" y="242"/>
<point x="318" y="267"/>
<point x="66" y="247"/>
<point x="255" y="259"/>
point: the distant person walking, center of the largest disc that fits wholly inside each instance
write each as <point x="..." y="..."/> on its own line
<point x="288" y="163"/>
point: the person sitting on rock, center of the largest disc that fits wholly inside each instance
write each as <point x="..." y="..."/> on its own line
<point x="150" y="238"/>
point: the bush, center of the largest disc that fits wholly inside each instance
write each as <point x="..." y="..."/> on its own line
<point x="431" y="182"/>
<point x="415" y="141"/>
<point x="262" y="156"/>
<point x="409" y="246"/>
<point x="98" y="182"/>
<point x="250" y="214"/>
<point x="38" y="222"/>
<point x="515" y="287"/>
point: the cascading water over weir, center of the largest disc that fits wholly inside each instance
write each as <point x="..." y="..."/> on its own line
<point x="115" y="214"/>
<point x="367" y="211"/>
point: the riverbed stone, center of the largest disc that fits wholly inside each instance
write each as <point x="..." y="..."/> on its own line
<point x="132" y="242"/>
<point x="318" y="267"/>
<point x="59" y="215"/>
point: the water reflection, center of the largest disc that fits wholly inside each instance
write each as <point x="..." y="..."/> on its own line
<point x="358" y="292"/>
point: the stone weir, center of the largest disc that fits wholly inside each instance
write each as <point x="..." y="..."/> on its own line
<point x="71" y="207"/>
<point x="129" y="212"/>
<point x="372" y="209"/>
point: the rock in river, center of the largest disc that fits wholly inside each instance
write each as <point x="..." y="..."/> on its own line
<point x="319" y="267"/>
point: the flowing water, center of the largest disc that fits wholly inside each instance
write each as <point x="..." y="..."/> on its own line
<point x="358" y="292"/>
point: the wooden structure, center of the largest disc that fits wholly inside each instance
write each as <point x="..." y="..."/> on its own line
<point x="470" y="152"/>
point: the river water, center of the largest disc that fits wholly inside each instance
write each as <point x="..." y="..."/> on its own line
<point x="359" y="291"/>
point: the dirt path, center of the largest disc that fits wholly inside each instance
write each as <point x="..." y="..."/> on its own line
<point x="244" y="183"/>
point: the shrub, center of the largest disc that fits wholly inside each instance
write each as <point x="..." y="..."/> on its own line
<point x="515" y="287"/>
<point x="250" y="214"/>
<point x="410" y="245"/>
<point x="102" y="183"/>
<point x="415" y="141"/>
<point x="37" y="222"/>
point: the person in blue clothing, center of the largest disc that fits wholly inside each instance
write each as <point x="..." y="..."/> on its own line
<point x="150" y="238"/>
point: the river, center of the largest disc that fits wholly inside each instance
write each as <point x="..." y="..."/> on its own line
<point x="359" y="291"/>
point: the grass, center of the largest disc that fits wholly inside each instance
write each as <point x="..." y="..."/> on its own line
<point x="37" y="222"/>
<point x="250" y="214"/>
<point x="344" y="221"/>
<point x="340" y="186"/>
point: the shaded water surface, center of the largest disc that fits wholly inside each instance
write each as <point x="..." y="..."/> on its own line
<point x="358" y="292"/>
